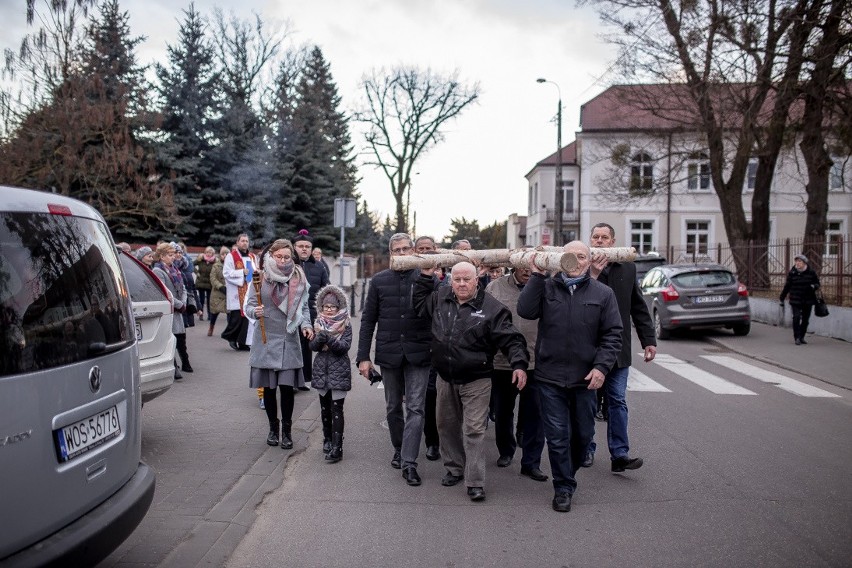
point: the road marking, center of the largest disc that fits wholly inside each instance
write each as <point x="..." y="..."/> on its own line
<point x="639" y="381"/>
<point x="701" y="378"/>
<point x="782" y="382"/>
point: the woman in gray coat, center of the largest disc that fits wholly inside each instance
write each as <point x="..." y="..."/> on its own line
<point x="282" y="309"/>
<point x="166" y="271"/>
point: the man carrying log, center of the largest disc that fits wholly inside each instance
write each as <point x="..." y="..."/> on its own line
<point x="579" y="338"/>
<point x="621" y="278"/>
<point x="402" y="352"/>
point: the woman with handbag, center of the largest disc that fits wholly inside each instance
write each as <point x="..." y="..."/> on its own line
<point x="166" y="271"/>
<point x="802" y="284"/>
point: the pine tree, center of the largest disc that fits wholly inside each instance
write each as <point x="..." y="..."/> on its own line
<point x="188" y="89"/>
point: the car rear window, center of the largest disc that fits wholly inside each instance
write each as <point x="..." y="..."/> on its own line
<point x="704" y="279"/>
<point x="62" y="296"/>
<point x="141" y="283"/>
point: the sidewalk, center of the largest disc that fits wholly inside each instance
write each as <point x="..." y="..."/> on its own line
<point x="819" y="359"/>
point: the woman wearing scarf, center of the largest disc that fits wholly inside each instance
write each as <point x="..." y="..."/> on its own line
<point x="332" y="376"/>
<point x="277" y="363"/>
<point x="166" y="271"/>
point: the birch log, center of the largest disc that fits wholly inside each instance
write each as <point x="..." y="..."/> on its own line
<point x="613" y="254"/>
<point x="489" y="257"/>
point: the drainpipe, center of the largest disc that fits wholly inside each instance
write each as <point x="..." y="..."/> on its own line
<point x="669" y="198"/>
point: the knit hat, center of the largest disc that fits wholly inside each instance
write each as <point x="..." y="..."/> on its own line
<point x="802" y="257"/>
<point x="176" y="246"/>
<point x="142" y="251"/>
<point x="303" y="236"/>
<point x="330" y="299"/>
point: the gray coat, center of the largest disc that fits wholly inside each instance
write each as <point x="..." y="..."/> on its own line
<point x="507" y="292"/>
<point x="179" y="300"/>
<point x="282" y="350"/>
<point x="332" y="369"/>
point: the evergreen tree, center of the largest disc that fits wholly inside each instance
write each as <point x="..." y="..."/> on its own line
<point x="188" y="88"/>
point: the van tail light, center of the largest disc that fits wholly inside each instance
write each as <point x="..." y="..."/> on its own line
<point x="742" y="290"/>
<point x="670" y="294"/>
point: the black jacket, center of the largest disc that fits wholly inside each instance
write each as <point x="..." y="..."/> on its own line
<point x="402" y="335"/>
<point x="576" y="331"/>
<point x="465" y="337"/>
<point x="801" y="286"/>
<point x="317" y="277"/>
<point x="621" y="278"/>
<point x="331" y="368"/>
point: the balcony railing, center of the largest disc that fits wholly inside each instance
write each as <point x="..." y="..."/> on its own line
<point x="550" y="215"/>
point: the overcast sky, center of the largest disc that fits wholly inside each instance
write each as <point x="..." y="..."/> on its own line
<point x="478" y="171"/>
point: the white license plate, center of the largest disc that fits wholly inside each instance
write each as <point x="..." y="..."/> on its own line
<point x="138" y="331"/>
<point x="709" y="299"/>
<point x="82" y="436"/>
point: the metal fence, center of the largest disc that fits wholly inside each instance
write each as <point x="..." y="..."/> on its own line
<point x="765" y="265"/>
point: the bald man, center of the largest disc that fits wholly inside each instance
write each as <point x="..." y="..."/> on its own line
<point x="468" y="328"/>
<point x="579" y="339"/>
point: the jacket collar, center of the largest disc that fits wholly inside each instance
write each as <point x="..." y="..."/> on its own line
<point x="475" y="302"/>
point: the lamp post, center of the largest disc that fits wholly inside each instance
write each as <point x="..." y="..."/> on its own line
<point x="558" y="195"/>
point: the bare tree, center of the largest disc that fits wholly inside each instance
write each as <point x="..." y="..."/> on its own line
<point x="406" y="109"/>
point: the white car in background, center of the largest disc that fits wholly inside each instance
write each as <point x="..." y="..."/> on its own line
<point x="152" y="309"/>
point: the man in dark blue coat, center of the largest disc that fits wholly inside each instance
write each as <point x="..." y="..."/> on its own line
<point x="579" y="338"/>
<point x="402" y="352"/>
<point x="317" y="277"/>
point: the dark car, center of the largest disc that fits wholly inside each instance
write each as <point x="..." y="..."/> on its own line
<point x="646" y="262"/>
<point x="684" y="296"/>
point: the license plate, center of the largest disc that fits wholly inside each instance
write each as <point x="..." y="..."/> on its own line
<point x="138" y="331"/>
<point x="82" y="436"/>
<point x="709" y="299"/>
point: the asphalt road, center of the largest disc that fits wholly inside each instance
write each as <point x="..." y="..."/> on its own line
<point x="746" y="464"/>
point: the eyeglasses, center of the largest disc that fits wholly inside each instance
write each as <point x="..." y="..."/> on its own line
<point x="401" y="250"/>
<point x="329" y="307"/>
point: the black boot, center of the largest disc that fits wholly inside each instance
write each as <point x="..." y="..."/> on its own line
<point x="286" y="440"/>
<point x="272" y="438"/>
<point x="182" y="353"/>
<point x="336" y="453"/>
<point x="325" y="414"/>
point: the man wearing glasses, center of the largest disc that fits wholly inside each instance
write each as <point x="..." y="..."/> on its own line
<point x="402" y="352"/>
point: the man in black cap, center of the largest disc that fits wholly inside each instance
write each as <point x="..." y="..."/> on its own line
<point x="318" y="278"/>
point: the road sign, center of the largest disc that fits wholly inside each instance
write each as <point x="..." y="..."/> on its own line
<point x="344" y="212"/>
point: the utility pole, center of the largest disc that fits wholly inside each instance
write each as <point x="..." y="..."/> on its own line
<point x="558" y="196"/>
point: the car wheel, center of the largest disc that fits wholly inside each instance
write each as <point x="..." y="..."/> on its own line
<point x="742" y="328"/>
<point x="658" y="327"/>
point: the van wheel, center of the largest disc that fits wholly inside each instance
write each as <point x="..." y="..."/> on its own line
<point x="658" y="327"/>
<point x="742" y="328"/>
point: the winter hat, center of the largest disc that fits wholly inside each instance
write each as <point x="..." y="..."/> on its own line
<point x="142" y="251"/>
<point x="330" y="299"/>
<point x="176" y="246"/>
<point x="303" y="236"/>
<point x="802" y="257"/>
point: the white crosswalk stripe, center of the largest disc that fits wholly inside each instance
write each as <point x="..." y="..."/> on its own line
<point x="702" y="378"/>
<point x="785" y="383"/>
<point x="639" y="381"/>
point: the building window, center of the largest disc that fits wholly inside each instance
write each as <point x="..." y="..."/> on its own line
<point x="835" y="176"/>
<point x="698" y="172"/>
<point x="833" y="237"/>
<point x="641" y="174"/>
<point x="568" y="196"/>
<point x="697" y="237"/>
<point x="751" y="175"/>
<point x="642" y="236"/>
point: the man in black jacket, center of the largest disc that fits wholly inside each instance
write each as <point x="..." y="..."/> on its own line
<point x="317" y="277"/>
<point x="621" y="278"/>
<point x="468" y="327"/>
<point x="402" y="352"/>
<point x="579" y="338"/>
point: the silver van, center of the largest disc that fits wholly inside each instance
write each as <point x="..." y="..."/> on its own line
<point x="72" y="486"/>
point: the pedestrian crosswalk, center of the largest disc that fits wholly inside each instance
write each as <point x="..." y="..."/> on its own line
<point x="639" y="381"/>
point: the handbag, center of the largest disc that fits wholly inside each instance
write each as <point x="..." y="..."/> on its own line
<point x="191" y="306"/>
<point x="820" y="308"/>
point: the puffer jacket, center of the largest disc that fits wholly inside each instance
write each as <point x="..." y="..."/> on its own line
<point x="579" y="328"/>
<point x="801" y="286"/>
<point x="466" y="336"/>
<point x="332" y="369"/>
<point x="401" y="334"/>
<point x="202" y="271"/>
<point x="218" y="301"/>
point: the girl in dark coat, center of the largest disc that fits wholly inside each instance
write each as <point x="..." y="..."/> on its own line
<point x="332" y="372"/>
<point x="802" y="284"/>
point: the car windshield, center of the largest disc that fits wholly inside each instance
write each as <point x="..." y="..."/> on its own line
<point x="62" y="297"/>
<point x="703" y="279"/>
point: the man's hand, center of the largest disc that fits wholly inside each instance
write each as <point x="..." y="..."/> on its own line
<point x="599" y="262"/>
<point x="595" y="378"/>
<point x="650" y="353"/>
<point x="519" y="378"/>
<point x="533" y="266"/>
<point x="364" y="369"/>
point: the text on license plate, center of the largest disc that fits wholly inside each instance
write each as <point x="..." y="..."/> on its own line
<point x="709" y="299"/>
<point x="138" y="331"/>
<point x="82" y="436"/>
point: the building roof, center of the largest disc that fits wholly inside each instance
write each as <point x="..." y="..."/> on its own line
<point x="569" y="156"/>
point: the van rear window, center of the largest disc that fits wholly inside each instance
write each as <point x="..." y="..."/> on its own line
<point x="62" y="296"/>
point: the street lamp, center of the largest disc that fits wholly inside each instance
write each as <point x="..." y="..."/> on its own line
<point x="558" y="196"/>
